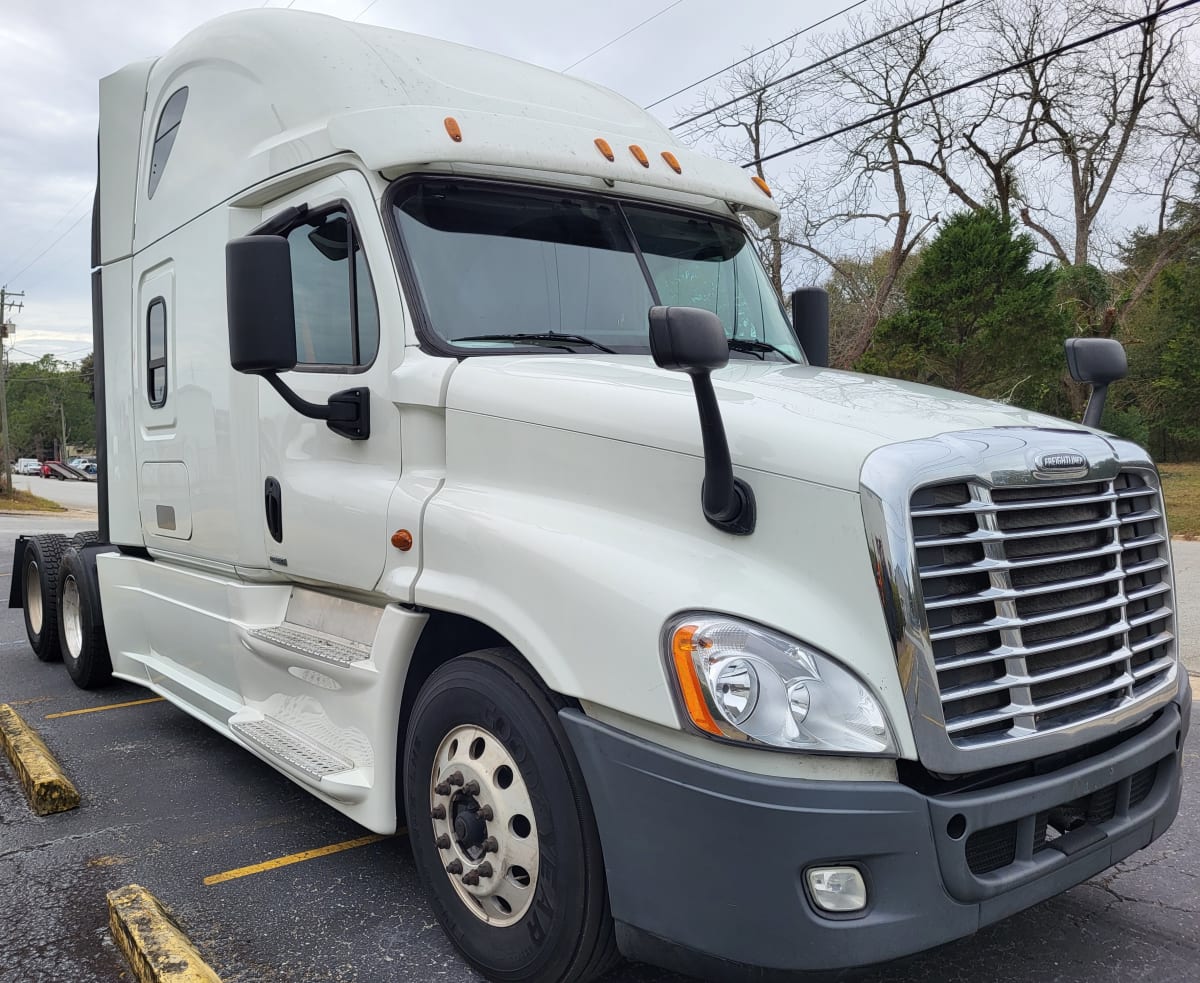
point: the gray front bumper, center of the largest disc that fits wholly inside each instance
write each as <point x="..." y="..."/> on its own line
<point x="706" y="865"/>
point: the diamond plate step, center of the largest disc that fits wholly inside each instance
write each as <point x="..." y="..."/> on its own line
<point x="313" y="643"/>
<point x="290" y="747"/>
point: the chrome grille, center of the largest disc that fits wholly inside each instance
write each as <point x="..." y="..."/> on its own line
<point x="1045" y="604"/>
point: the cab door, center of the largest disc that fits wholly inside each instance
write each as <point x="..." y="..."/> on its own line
<point x="324" y="497"/>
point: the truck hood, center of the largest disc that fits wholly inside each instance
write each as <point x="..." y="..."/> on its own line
<point x="795" y="420"/>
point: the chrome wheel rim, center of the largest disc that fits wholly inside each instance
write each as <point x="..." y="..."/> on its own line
<point x="483" y="825"/>
<point x="72" y="617"/>
<point x="33" y="597"/>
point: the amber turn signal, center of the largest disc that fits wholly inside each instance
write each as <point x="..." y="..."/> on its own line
<point x="672" y="161"/>
<point x="639" y="154"/>
<point x="402" y="540"/>
<point x="453" y="129"/>
<point x="762" y="186"/>
<point x="604" y="148"/>
<point x="682" y="647"/>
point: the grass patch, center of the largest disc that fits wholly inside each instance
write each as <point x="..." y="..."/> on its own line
<point x="23" y="501"/>
<point x="1181" y="489"/>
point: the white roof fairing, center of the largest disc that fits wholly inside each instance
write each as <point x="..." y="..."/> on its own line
<point x="270" y="90"/>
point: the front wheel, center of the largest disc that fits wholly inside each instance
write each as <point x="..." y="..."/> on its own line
<point x="501" y="825"/>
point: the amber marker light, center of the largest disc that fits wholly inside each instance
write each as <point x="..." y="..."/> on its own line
<point x="402" y="540"/>
<point x="682" y="647"/>
<point x="604" y="148"/>
<point x="639" y="154"/>
<point x="762" y="186"/>
<point x="453" y="129"/>
<point x="672" y="161"/>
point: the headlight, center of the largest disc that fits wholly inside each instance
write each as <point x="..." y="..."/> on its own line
<point x="747" y="683"/>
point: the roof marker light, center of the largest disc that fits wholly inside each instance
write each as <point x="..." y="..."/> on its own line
<point x="604" y="148"/>
<point x="453" y="129"/>
<point x="672" y="161"/>
<point x="762" y="186"/>
<point x="639" y="154"/>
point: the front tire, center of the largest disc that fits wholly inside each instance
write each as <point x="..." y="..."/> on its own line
<point x="80" y="626"/>
<point x="501" y="825"/>
<point x="39" y="586"/>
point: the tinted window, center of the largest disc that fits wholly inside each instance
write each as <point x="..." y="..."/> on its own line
<point x="337" y="322"/>
<point x="156" y="352"/>
<point x="164" y="137"/>
<point x="492" y="261"/>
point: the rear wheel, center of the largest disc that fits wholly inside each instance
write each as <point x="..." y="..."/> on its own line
<point x="39" y="586"/>
<point x="501" y="825"/>
<point x="80" y="628"/>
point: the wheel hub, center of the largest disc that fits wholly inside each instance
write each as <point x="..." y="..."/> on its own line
<point x="483" y="825"/>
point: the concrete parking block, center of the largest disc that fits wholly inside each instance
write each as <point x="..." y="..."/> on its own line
<point x="156" y="947"/>
<point x="47" y="787"/>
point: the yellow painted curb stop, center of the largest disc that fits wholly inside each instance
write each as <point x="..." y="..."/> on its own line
<point x="154" y="945"/>
<point x="47" y="787"/>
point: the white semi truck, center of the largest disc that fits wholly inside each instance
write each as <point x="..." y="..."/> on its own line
<point x="660" y="637"/>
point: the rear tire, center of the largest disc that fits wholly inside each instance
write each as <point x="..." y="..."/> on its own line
<point x="80" y="625"/>
<point x="39" y="586"/>
<point x="488" y="760"/>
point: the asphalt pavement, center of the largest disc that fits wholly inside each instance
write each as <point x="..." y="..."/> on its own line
<point x="168" y="803"/>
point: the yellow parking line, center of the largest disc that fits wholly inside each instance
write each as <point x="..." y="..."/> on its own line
<point x="111" y="706"/>
<point x="295" y="858"/>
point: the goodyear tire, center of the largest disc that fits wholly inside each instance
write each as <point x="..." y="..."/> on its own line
<point x="80" y="625"/>
<point x="39" y="587"/>
<point x="501" y="825"/>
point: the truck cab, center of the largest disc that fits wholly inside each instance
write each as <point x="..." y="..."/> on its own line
<point x="458" y="460"/>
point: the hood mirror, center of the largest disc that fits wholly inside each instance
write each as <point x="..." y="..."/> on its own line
<point x="1099" y="362"/>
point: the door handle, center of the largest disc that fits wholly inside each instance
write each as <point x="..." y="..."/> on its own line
<point x="274" y="506"/>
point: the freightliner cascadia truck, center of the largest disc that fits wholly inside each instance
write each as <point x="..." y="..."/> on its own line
<point x="458" y="460"/>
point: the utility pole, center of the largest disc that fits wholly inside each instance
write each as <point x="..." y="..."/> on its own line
<point x="7" y="329"/>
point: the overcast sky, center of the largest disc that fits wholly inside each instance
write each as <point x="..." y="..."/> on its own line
<point x="53" y="52"/>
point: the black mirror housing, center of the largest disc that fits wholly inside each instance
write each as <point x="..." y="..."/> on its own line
<point x="810" y="321"/>
<point x="687" y="339"/>
<point x="1098" y="361"/>
<point x="262" y="318"/>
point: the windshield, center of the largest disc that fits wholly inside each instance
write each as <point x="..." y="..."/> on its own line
<point x="492" y="262"/>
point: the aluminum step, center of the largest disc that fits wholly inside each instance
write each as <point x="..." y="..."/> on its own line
<point x="294" y="749"/>
<point x="315" y="644"/>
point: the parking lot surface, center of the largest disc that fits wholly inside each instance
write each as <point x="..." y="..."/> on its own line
<point x="169" y="804"/>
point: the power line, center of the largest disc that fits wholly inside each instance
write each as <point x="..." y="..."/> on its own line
<point x="1053" y="52"/>
<point x="620" y="37"/>
<point x="87" y="194"/>
<point x="945" y="8"/>
<point x="51" y="246"/>
<point x="755" y="54"/>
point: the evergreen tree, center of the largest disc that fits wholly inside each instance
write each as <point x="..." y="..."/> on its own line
<point x="978" y="318"/>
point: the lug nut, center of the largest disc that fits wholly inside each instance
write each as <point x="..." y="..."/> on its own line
<point x="443" y="842"/>
<point x="456" y="778"/>
<point x="471" y="878"/>
<point x="490" y="845"/>
<point x="471" y="788"/>
<point x="438" y="812"/>
<point x="454" y="867"/>
<point x="485" y="813"/>
<point x="484" y="869"/>
<point x="442" y="788"/>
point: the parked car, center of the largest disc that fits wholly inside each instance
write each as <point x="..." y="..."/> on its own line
<point x="83" y="463"/>
<point x="28" y="465"/>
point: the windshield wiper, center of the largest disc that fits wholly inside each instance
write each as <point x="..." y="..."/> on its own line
<point x="759" y="348"/>
<point x="546" y="338"/>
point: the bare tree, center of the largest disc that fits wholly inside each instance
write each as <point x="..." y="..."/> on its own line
<point x="745" y="121"/>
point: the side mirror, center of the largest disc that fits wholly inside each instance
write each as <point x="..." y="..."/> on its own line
<point x="691" y="340"/>
<point x="262" y="319"/>
<point x="262" y="331"/>
<point x="1099" y="362"/>
<point x="810" y="321"/>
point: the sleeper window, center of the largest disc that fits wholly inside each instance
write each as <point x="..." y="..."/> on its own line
<point x="337" y="322"/>
<point x="156" y="352"/>
<point x="164" y="137"/>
